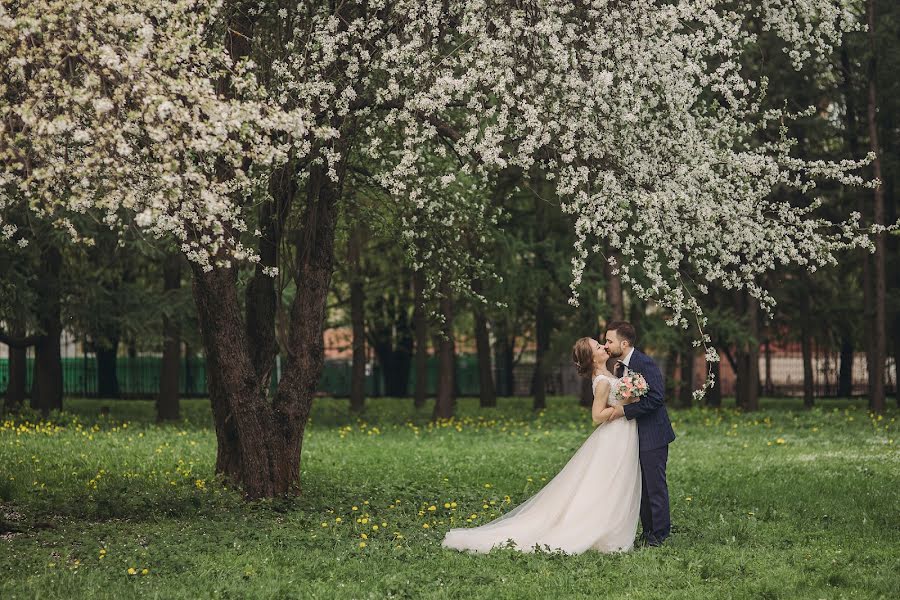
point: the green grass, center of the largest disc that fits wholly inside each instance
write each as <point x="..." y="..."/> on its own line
<point x="783" y="503"/>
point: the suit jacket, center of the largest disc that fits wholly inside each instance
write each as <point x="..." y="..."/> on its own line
<point x="654" y="426"/>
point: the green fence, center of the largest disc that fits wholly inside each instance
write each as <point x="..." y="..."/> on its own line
<point x="139" y="377"/>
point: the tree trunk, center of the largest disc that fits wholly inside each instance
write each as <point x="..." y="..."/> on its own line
<point x="879" y="324"/>
<point x="687" y="377"/>
<point x="671" y="368"/>
<point x="357" y="318"/>
<point x="503" y="359"/>
<point x="167" y="402"/>
<point x="420" y="321"/>
<point x="18" y="373"/>
<point x="259" y="441"/>
<point x="845" y="377"/>
<point x="614" y="296"/>
<point x="747" y="385"/>
<point x="542" y="333"/>
<point x="253" y="452"/>
<point x="444" y="404"/>
<point x="714" y="394"/>
<point x="808" y="383"/>
<point x="768" y="386"/>
<point x="47" y="386"/>
<point x="107" y="368"/>
<point x="486" y="393"/>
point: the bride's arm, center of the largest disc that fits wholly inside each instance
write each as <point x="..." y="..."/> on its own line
<point x="600" y="412"/>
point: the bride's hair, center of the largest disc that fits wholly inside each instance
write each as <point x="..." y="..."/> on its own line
<point x="583" y="356"/>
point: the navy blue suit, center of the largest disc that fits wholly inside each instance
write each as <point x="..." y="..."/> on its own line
<point x="654" y="435"/>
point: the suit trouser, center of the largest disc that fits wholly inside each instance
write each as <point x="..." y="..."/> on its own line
<point x="655" y="518"/>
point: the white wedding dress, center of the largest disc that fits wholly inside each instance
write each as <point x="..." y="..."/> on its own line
<point x="592" y="504"/>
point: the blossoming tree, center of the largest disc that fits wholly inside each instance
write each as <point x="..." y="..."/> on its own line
<point x="194" y="119"/>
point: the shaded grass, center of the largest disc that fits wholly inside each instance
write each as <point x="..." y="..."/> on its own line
<point x="783" y="503"/>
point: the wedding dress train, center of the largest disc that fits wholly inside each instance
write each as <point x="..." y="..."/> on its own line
<point x="593" y="503"/>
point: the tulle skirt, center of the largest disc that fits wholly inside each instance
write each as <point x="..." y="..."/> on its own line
<point x="593" y="503"/>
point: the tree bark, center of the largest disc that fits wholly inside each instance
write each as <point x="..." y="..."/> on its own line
<point x="18" y="373"/>
<point x="808" y="382"/>
<point x="879" y="324"/>
<point x="687" y="377"/>
<point x="107" y="368"/>
<point x="420" y="323"/>
<point x="747" y="359"/>
<point x="168" y="407"/>
<point x="714" y="394"/>
<point x="614" y="295"/>
<point x="845" y="376"/>
<point x="542" y="333"/>
<point x="259" y="440"/>
<point x="444" y="404"/>
<point x="47" y="386"/>
<point x="357" y="319"/>
<point x="487" y="394"/>
<point x="768" y="386"/>
<point x="503" y="358"/>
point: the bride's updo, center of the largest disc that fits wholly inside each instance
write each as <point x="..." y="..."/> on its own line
<point x="583" y="357"/>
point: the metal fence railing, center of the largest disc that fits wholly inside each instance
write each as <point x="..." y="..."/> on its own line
<point x="139" y="377"/>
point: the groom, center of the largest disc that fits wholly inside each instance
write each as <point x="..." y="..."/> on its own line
<point x="654" y="430"/>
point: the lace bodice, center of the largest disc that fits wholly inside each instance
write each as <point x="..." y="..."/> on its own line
<point x="613" y="384"/>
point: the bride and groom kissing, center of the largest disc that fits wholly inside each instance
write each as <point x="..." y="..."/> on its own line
<point x="616" y="477"/>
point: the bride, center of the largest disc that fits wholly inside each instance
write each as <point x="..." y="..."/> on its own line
<point x="593" y="503"/>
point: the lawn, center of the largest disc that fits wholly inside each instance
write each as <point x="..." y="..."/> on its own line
<point x="784" y="503"/>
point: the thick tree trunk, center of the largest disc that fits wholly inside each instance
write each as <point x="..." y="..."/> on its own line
<point x="747" y="385"/>
<point x="845" y="376"/>
<point x="259" y="441"/>
<point x="358" y="320"/>
<point x="444" y="404"/>
<point x="879" y="276"/>
<point x="542" y="332"/>
<point x="107" y="368"/>
<point x="47" y="386"/>
<point x="251" y="453"/>
<point x="168" y="407"/>
<point x="420" y="323"/>
<point x="487" y="394"/>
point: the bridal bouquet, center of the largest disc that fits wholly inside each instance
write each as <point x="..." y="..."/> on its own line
<point x="631" y="387"/>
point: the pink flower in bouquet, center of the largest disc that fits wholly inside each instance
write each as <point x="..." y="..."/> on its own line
<point x="630" y="386"/>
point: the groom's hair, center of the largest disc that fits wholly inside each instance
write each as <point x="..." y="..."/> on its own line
<point x="624" y="330"/>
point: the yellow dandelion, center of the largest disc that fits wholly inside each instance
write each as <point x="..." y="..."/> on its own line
<point x="145" y="571"/>
<point x="362" y="544"/>
<point x="425" y="526"/>
<point x="432" y="508"/>
<point x="132" y="571"/>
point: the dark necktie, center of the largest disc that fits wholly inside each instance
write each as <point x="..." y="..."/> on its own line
<point x="620" y="368"/>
